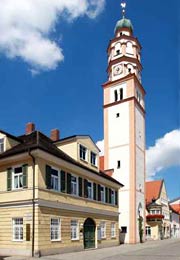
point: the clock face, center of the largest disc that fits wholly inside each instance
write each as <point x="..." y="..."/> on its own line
<point x="117" y="70"/>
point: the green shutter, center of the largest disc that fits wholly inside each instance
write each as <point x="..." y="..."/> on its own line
<point x="99" y="192"/>
<point x="106" y="195"/>
<point x="25" y="170"/>
<point x="9" y="179"/>
<point x="68" y="183"/>
<point x="110" y="191"/>
<point x="94" y="191"/>
<point x="63" y="181"/>
<point x="116" y="197"/>
<point x="48" y="177"/>
<point x="85" y="188"/>
<point x="80" y="186"/>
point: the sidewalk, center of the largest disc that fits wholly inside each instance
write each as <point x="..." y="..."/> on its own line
<point x="104" y="253"/>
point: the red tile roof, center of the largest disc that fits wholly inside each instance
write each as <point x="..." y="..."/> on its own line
<point x="176" y="208"/>
<point x="153" y="189"/>
<point x="101" y="163"/>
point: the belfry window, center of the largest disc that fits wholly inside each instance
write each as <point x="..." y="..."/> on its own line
<point x="115" y="95"/>
<point x="121" y="93"/>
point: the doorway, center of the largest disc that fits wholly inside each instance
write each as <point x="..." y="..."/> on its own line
<point x="89" y="233"/>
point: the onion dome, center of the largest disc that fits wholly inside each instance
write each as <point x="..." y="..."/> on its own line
<point x="124" y="23"/>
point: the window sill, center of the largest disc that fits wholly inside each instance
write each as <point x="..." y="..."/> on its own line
<point x="84" y="161"/>
<point x="75" y="239"/>
<point x="17" y="240"/>
<point x="56" y="240"/>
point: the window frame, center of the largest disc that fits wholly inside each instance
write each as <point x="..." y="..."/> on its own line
<point x="58" y="177"/>
<point x="93" y="163"/>
<point x="113" y="229"/>
<point x="113" y="194"/>
<point x="103" y="229"/>
<point x="102" y="186"/>
<point x="20" y="229"/>
<point x="74" y="228"/>
<point x="56" y="229"/>
<point x="77" y="184"/>
<point x="84" y="158"/>
<point x="17" y="174"/>
<point x="2" y="144"/>
<point x="92" y="190"/>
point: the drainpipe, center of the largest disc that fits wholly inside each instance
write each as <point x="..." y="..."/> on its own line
<point x="33" y="202"/>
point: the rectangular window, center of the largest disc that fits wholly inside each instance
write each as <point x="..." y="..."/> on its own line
<point x="83" y="152"/>
<point x="55" y="229"/>
<point x="55" y="180"/>
<point x="1" y="145"/>
<point x="90" y="190"/>
<point x="118" y="164"/>
<point x="121" y="93"/>
<point x="124" y="230"/>
<point x="113" y="197"/>
<point x="115" y="95"/>
<point x="103" y="229"/>
<point x="18" y="178"/>
<point x="17" y="229"/>
<point x="113" y="229"/>
<point x="93" y="159"/>
<point x="102" y="193"/>
<point x="74" y="230"/>
<point x="74" y="185"/>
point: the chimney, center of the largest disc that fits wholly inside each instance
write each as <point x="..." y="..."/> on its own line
<point x="30" y="127"/>
<point x="54" y="135"/>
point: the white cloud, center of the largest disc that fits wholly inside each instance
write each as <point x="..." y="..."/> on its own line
<point x="100" y="145"/>
<point x="164" y="154"/>
<point x="26" y="25"/>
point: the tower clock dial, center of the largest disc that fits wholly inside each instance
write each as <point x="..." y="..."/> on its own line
<point x="117" y="70"/>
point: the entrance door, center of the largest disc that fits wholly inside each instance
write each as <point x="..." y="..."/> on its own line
<point x="89" y="233"/>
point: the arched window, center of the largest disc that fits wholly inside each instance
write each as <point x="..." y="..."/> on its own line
<point x="117" y="49"/>
<point x="129" y="48"/>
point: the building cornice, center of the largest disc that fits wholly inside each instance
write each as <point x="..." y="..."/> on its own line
<point x="124" y="58"/>
<point x="122" y="80"/>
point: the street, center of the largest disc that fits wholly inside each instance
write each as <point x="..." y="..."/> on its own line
<point x="153" y="250"/>
<point x="156" y="250"/>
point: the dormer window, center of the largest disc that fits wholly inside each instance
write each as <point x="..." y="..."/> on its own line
<point x="83" y="152"/>
<point x="1" y="145"/>
<point x="93" y="159"/>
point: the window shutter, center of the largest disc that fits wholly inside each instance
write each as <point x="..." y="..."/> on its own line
<point x="25" y="170"/>
<point x="28" y="232"/>
<point x="48" y="177"/>
<point x="63" y="181"/>
<point x="80" y="186"/>
<point x="94" y="191"/>
<point x="110" y="196"/>
<point x="68" y="183"/>
<point x="106" y="195"/>
<point x="9" y="179"/>
<point x="99" y="192"/>
<point x="85" y="188"/>
<point x="116" y="197"/>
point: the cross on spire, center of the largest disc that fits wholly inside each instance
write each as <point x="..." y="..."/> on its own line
<point x="123" y="5"/>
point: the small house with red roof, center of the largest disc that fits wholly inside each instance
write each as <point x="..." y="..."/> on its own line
<point x="157" y="214"/>
<point x="175" y="217"/>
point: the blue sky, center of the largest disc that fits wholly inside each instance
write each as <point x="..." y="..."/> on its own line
<point x="70" y="97"/>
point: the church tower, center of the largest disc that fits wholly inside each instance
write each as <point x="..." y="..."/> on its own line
<point x="124" y="126"/>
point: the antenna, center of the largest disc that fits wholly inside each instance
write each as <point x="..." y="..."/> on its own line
<point x="123" y="5"/>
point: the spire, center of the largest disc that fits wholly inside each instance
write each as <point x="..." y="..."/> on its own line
<point x="123" y="5"/>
